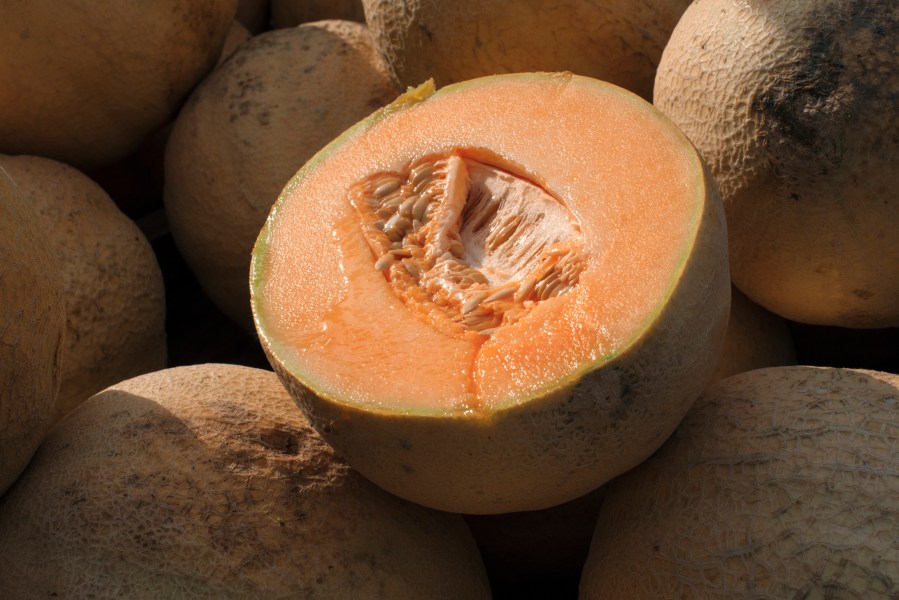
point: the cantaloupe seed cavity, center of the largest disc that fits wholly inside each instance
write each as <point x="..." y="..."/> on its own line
<point x="468" y="245"/>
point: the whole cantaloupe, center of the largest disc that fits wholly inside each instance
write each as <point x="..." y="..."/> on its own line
<point x="248" y="128"/>
<point x="793" y="105"/>
<point x="207" y="482"/>
<point x="619" y="41"/>
<point x="85" y="83"/>
<point x="32" y="325"/>
<point x="115" y="297"/>
<point x="779" y="483"/>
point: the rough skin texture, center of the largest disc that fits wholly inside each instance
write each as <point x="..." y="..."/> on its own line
<point x="779" y="483"/>
<point x="247" y="129"/>
<point x="32" y="326"/>
<point x="619" y="41"/>
<point x="92" y="83"/>
<point x="206" y="482"/>
<point x="794" y="105"/>
<point x="115" y="298"/>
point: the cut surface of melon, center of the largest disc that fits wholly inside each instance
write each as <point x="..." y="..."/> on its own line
<point x="489" y="247"/>
<point x="352" y="327"/>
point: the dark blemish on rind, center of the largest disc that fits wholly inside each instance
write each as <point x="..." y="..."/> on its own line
<point x="627" y="382"/>
<point x="405" y="444"/>
<point x="427" y="31"/>
<point x="863" y="294"/>
<point x="407" y="469"/>
<point x="807" y="113"/>
<point x="789" y="107"/>
<point x="283" y="441"/>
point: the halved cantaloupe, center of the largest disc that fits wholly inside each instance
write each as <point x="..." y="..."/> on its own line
<point x="497" y="296"/>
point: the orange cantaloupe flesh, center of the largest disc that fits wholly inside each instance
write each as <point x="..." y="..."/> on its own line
<point x="338" y="325"/>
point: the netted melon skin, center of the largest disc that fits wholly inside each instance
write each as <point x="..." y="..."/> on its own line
<point x="793" y="105"/>
<point x="779" y="483"/>
<point x="206" y="482"/>
<point x="115" y="295"/>
<point x="619" y="41"/>
<point x="32" y="328"/>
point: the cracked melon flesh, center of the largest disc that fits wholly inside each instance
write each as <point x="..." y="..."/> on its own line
<point x="500" y="295"/>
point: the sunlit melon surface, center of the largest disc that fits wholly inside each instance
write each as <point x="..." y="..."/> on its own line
<point x="509" y="268"/>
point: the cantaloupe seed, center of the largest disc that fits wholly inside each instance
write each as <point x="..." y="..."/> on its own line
<point x="479" y="244"/>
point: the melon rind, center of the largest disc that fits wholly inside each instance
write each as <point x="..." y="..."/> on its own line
<point x="779" y="483"/>
<point x="32" y="332"/>
<point x="569" y="437"/>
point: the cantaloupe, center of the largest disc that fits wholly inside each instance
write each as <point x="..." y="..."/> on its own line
<point x="248" y="128"/>
<point x="497" y="296"/>
<point x="794" y="105"/>
<point x="619" y="41"/>
<point x="779" y="483"/>
<point x="32" y="326"/>
<point x="86" y="83"/>
<point x="114" y="292"/>
<point x="206" y="482"/>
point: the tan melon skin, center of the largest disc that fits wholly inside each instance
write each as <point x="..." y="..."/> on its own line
<point x="779" y="483"/>
<point x="237" y="35"/>
<point x="114" y="291"/>
<point x="793" y="105"/>
<point x="206" y="482"/>
<point x="247" y="129"/>
<point x="619" y="41"/>
<point x="85" y="84"/>
<point x="32" y="326"/>
<point x="549" y="449"/>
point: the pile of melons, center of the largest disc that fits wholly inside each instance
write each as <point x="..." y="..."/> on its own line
<point x="444" y="299"/>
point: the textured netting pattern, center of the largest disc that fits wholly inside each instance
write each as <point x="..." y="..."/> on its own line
<point x="780" y="483"/>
